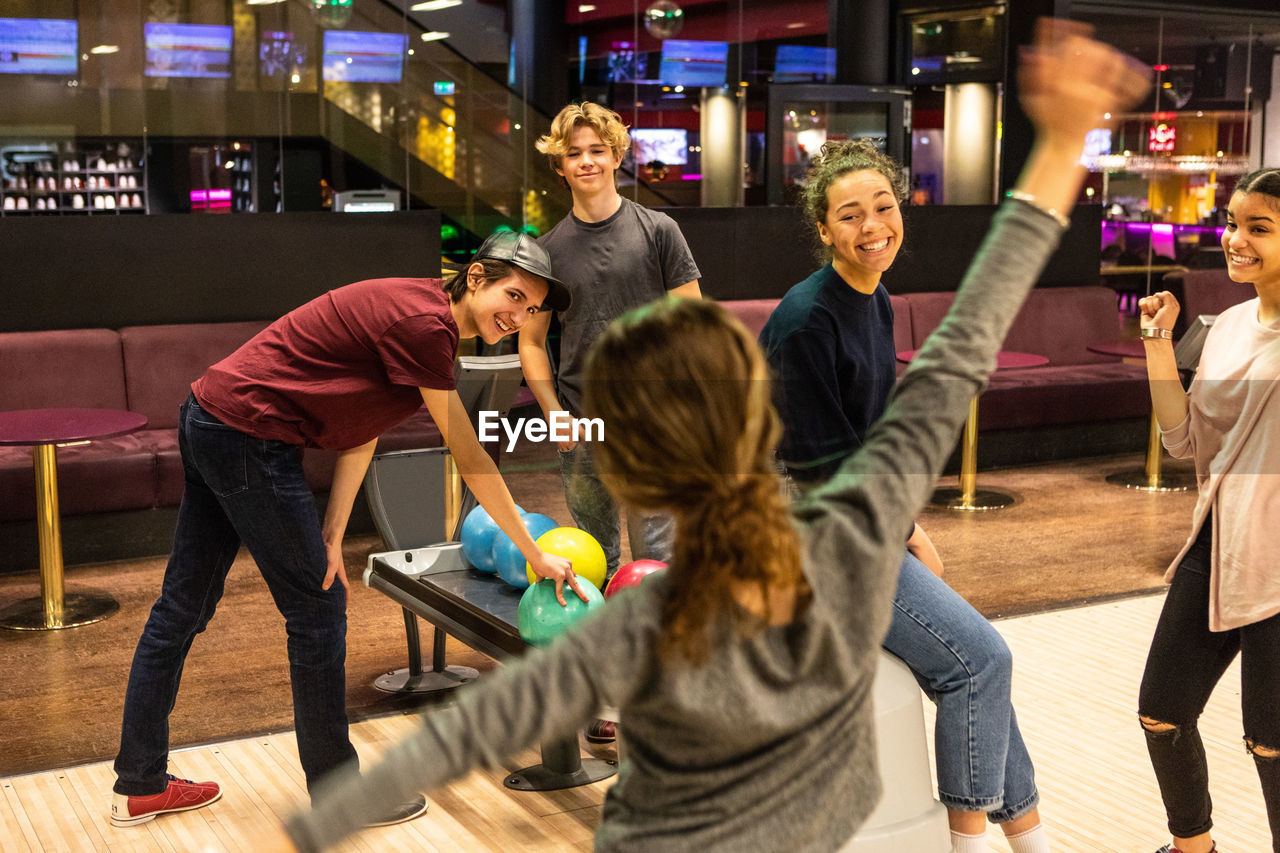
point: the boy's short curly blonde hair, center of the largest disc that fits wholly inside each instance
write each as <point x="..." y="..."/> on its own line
<point x="605" y="122"/>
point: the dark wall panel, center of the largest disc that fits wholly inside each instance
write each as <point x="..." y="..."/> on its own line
<point x="941" y="240"/>
<point x="746" y="252"/>
<point x="760" y="252"/>
<point x="111" y="271"/>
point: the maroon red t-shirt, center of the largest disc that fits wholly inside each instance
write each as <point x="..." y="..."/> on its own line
<point x="340" y="370"/>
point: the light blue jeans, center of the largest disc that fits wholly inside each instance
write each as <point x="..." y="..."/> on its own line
<point x="965" y="668"/>
<point x="595" y="511"/>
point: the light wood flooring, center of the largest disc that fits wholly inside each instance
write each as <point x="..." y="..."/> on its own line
<point x="1075" y="686"/>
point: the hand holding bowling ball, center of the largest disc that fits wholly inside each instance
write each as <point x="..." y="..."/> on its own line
<point x="579" y="548"/>
<point x="631" y="575"/>
<point x="540" y="618"/>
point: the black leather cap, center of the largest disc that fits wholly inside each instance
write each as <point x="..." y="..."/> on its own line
<point x="523" y="251"/>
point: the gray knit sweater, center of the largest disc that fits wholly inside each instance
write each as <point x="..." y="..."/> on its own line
<point x="770" y="745"/>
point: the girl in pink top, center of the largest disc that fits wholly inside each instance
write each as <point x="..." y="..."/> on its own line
<point x="1224" y="597"/>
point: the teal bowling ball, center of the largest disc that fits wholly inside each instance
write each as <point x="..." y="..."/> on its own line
<point x="506" y="558"/>
<point x="478" y="531"/>
<point x="541" y="619"/>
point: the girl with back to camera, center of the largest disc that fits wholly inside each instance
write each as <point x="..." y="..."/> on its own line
<point x="743" y="673"/>
<point x="830" y="345"/>
<point x="1224" y="594"/>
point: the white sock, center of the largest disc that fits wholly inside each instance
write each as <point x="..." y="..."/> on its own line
<point x="961" y="843"/>
<point x="1032" y="841"/>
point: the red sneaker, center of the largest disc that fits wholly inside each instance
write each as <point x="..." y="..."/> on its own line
<point x="181" y="795"/>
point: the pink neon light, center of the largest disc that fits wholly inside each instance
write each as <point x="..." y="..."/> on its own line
<point x="205" y="196"/>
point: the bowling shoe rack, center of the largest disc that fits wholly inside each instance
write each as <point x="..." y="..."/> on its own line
<point x="74" y="179"/>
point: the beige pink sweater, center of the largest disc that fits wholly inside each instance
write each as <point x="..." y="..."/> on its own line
<point x="1233" y="432"/>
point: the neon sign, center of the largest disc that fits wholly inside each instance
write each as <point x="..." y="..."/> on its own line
<point x="1161" y="137"/>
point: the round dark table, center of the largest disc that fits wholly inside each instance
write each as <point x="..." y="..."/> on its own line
<point x="968" y="497"/>
<point x="1150" y="478"/>
<point x="44" y="430"/>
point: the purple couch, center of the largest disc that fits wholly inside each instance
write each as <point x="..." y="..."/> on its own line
<point x="146" y="369"/>
<point x="1077" y="386"/>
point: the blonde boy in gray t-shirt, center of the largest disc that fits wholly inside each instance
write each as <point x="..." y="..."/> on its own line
<point x="614" y="255"/>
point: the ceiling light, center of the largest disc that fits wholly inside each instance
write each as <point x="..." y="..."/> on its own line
<point x="434" y="35"/>
<point x="105" y="48"/>
<point x="584" y="8"/>
<point x="434" y="5"/>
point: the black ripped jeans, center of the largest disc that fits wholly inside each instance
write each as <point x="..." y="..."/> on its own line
<point x="1184" y="665"/>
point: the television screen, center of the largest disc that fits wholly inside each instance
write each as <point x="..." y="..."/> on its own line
<point x="798" y="63"/>
<point x="38" y="46"/>
<point x="966" y="45"/>
<point x="669" y="145"/>
<point x="1097" y="142"/>
<point x="626" y="64"/>
<point x="280" y="53"/>
<point x="187" y="50"/>
<point x="356" y="57"/>
<point x="694" y="63"/>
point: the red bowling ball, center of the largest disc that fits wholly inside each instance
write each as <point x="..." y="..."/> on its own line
<point x="631" y="574"/>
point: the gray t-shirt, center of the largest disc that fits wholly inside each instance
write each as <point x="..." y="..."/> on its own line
<point x="769" y="746"/>
<point x="611" y="266"/>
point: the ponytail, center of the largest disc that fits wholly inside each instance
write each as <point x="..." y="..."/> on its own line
<point x="683" y="391"/>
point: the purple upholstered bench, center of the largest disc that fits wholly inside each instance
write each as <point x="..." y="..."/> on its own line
<point x="146" y="369"/>
<point x="1077" y="386"/>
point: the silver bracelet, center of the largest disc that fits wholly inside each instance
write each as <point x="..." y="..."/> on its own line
<point x="1155" y="334"/>
<point x="1053" y="213"/>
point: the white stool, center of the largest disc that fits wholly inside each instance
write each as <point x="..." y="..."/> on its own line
<point x="908" y="819"/>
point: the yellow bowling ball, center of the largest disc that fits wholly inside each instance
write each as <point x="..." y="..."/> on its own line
<point x="576" y="546"/>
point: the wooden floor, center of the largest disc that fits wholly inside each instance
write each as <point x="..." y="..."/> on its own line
<point x="1075" y="690"/>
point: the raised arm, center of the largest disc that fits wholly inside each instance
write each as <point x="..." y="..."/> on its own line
<point x="1168" y="399"/>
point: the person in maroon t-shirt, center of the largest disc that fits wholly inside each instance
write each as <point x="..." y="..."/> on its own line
<point x="334" y="373"/>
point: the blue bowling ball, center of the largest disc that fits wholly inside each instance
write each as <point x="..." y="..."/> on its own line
<point x="478" y="531"/>
<point x="506" y="558"/>
<point x="540" y="618"/>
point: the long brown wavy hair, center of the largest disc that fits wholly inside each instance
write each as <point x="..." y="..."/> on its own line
<point x="683" y="391"/>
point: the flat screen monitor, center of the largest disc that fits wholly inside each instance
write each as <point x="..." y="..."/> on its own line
<point x="965" y="45"/>
<point x="799" y="63"/>
<point x="694" y="63"/>
<point x="39" y="46"/>
<point x="366" y="201"/>
<point x="1097" y="142"/>
<point x="280" y="53"/>
<point x="187" y="50"/>
<point x="668" y="145"/>
<point x="357" y="57"/>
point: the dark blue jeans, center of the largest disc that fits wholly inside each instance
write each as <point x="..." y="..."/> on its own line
<point x="240" y="489"/>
